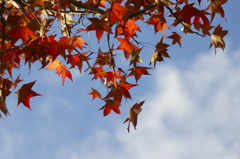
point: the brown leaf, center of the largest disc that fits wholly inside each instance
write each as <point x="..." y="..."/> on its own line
<point x="217" y="38"/>
<point x="215" y="6"/>
<point x="133" y="115"/>
<point x="176" y="38"/>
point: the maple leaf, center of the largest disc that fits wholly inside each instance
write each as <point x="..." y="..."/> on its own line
<point x="103" y="58"/>
<point x="217" y="38"/>
<point x="138" y="71"/>
<point x="158" y="21"/>
<point x="22" y="32"/>
<point x="135" y="58"/>
<point x="95" y="94"/>
<point x="160" y="52"/>
<point x="176" y="38"/>
<point x="201" y="15"/>
<point x="124" y="87"/>
<point x="99" y="25"/>
<point x="76" y="41"/>
<point x="25" y="93"/>
<point x="60" y="69"/>
<point x="127" y="47"/>
<point x="98" y="72"/>
<point x="215" y="6"/>
<point x="205" y="30"/>
<point x="77" y="59"/>
<point x="115" y="13"/>
<point x="111" y="105"/>
<point x="128" y="29"/>
<point x="133" y="115"/>
<point x="112" y="76"/>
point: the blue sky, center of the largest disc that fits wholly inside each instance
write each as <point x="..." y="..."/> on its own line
<point x="192" y="109"/>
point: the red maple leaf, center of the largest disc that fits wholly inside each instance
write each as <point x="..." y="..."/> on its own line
<point x="25" y="93"/>
<point x="158" y="21"/>
<point x="138" y="71"/>
<point x="111" y="105"/>
<point x="22" y="32"/>
<point x="124" y="87"/>
<point x="99" y="25"/>
<point x="95" y="94"/>
<point x="77" y="59"/>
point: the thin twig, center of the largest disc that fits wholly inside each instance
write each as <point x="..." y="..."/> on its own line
<point x="142" y="11"/>
<point x="171" y="11"/>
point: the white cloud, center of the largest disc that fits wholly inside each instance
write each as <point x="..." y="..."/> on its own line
<point x="193" y="113"/>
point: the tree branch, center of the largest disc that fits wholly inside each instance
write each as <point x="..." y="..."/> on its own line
<point x="142" y="11"/>
<point x="171" y="11"/>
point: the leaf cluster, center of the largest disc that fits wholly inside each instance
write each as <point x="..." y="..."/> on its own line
<point x="53" y="32"/>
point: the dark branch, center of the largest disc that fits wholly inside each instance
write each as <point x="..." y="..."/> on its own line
<point x="170" y="10"/>
<point x="142" y="11"/>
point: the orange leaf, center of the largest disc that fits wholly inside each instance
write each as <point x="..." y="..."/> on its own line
<point x="77" y="41"/>
<point x="95" y="2"/>
<point x="60" y="69"/>
<point x="98" y="72"/>
<point x="159" y="22"/>
<point x="127" y="47"/>
<point x="111" y="105"/>
<point x="25" y="93"/>
<point x="112" y="76"/>
<point x="116" y="12"/>
<point x="128" y="29"/>
<point x="95" y="94"/>
<point x="124" y="87"/>
<point x="133" y="115"/>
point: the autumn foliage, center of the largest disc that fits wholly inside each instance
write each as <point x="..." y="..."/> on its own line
<point x="54" y="34"/>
